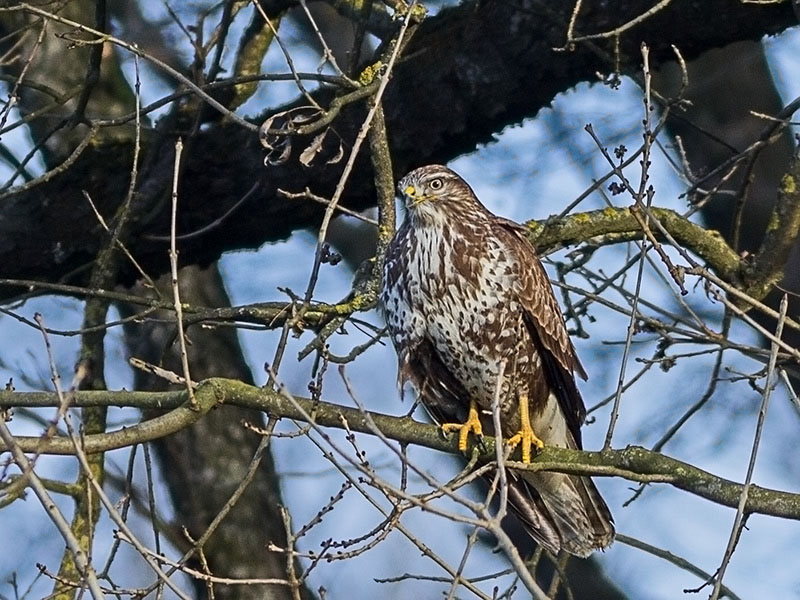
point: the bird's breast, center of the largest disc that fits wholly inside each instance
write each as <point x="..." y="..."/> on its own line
<point x="462" y="285"/>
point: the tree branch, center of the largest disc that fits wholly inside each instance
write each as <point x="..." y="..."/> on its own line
<point x="513" y="73"/>
<point x="781" y="235"/>
<point x="633" y="463"/>
<point x="582" y="227"/>
<point x="609" y="225"/>
<point x="181" y="416"/>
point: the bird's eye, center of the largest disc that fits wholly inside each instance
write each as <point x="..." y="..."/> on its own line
<point x="436" y="184"/>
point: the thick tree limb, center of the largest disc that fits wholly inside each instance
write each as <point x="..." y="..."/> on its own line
<point x="490" y="65"/>
<point x="633" y="463"/>
<point x="781" y="235"/>
<point x="611" y="224"/>
<point x="582" y="227"/>
<point x="180" y="417"/>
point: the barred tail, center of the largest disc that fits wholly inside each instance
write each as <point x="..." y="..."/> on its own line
<point x="563" y="512"/>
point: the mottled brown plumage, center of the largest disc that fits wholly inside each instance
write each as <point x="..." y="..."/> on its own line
<point x="464" y="293"/>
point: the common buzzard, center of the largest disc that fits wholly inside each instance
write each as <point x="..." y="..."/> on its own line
<point x="469" y="307"/>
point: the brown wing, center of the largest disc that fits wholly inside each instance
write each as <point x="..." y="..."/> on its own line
<point x="576" y="519"/>
<point x="546" y="326"/>
<point x="441" y="394"/>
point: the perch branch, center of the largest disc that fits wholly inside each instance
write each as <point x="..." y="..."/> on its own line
<point x="633" y="463"/>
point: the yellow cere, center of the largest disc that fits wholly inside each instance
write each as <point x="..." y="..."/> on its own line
<point x="410" y="191"/>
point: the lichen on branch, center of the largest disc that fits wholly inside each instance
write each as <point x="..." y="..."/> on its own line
<point x="632" y="463"/>
<point x="622" y="225"/>
<point x="781" y="235"/>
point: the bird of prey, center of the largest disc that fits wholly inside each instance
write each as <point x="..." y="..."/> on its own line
<point x="473" y="317"/>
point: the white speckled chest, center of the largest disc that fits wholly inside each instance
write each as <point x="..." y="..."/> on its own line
<point x="459" y="291"/>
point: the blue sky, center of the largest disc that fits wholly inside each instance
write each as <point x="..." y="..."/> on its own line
<point x="531" y="171"/>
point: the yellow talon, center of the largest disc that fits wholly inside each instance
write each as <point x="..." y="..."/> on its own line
<point x="525" y="435"/>
<point x="473" y="423"/>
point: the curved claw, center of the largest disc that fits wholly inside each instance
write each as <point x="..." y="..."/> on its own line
<point x="527" y="438"/>
<point x="472" y="424"/>
<point x="525" y="435"/>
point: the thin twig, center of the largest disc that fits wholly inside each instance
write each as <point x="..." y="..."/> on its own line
<point x="287" y="55"/>
<point x="611" y="33"/>
<point x="134" y="49"/>
<point x="362" y="134"/>
<point x="210" y="226"/>
<point x="173" y="265"/>
<point x="204" y="576"/>
<point x="116" y="518"/>
<point x="672" y="558"/>
<point x="769" y="385"/>
<point x="792" y="394"/>
<point x="252" y="468"/>
<point x="52" y="510"/>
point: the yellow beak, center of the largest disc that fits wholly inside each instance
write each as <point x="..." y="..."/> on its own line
<point x="411" y="192"/>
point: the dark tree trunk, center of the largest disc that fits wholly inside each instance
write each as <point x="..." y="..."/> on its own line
<point x="205" y="463"/>
<point x="721" y="103"/>
<point x="469" y="72"/>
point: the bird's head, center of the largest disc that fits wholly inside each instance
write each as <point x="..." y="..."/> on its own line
<point x="434" y="189"/>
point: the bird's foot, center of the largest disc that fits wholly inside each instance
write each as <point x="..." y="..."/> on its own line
<point x="527" y="438"/>
<point x="472" y="424"/>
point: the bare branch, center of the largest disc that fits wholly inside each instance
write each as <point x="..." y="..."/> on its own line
<point x="632" y="463"/>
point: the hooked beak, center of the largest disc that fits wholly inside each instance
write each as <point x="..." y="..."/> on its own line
<point x="413" y="199"/>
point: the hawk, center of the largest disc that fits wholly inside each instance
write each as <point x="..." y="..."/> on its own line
<point x="472" y="315"/>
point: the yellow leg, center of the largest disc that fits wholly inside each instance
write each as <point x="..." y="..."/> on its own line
<point x="472" y="424"/>
<point x="525" y="435"/>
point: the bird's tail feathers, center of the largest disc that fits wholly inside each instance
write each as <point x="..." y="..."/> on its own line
<point x="530" y="509"/>
<point x="579" y="514"/>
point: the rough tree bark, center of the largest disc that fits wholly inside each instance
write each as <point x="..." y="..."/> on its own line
<point x="469" y="72"/>
<point x="204" y="464"/>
